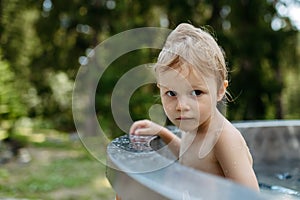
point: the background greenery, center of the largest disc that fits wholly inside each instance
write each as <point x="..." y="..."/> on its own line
<point x="44" y="42"/>
<point x="57" y="170"/>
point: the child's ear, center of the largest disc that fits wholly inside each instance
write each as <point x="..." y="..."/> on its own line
<point x="222" y="90"/>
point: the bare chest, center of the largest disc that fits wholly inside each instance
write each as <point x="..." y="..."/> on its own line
<point x="191" y="157"/>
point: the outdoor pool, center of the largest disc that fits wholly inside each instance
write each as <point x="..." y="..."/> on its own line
<point x="147" y="169"/>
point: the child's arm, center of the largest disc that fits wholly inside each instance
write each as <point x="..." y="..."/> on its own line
<point x="235" y="159"/>
<point x="147" y="127"/>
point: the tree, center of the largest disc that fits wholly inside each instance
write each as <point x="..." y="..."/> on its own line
<point x="254" y="53"/>
<point x="45" y="42"/>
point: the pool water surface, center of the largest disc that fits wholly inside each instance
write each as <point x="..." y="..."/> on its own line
<point x="280" y="179"/>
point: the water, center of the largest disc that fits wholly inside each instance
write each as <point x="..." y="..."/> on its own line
<point x="280" y="179"/>
<point x="134" y="143"/>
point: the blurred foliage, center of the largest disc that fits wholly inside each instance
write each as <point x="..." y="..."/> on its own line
<point x="58" y="170"/>
<point x="43" y="42"/>
<point x="11" y="106"/>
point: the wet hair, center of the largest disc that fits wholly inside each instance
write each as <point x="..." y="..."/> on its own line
<point x="194" y="48"/>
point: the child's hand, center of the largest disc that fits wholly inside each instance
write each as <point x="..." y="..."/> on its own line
<point x="145" y="127"/>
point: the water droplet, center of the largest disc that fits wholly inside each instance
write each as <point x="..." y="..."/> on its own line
<point x="283" y="176"/>
<point x="140" y="144"/>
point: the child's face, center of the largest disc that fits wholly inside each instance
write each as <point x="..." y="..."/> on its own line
<point x="188" y="99"/>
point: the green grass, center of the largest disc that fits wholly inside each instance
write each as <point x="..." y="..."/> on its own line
<point x="70" y="172"/>
<point x="64" y="171"/>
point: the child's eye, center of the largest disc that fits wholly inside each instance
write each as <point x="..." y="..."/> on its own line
<point x="196" y="92"/>
<point x="171" y="93"/>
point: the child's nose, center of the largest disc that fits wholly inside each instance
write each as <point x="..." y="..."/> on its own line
<point x="182" y="105"/>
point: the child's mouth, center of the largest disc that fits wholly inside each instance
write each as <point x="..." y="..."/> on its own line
<point x="183" y="118"/>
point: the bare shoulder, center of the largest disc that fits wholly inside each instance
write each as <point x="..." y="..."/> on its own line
<point x="234" y="157"/>
<point x="231" y="144"/>
<point x="230" y="137"/>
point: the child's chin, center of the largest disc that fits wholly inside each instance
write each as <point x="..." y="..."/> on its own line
<point x="188" y="128"/>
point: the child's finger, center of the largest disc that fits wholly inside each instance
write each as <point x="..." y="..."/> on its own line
<point x="137" y="125"/>
<point x="143" y="131"/>
<point x="133" y="127"/>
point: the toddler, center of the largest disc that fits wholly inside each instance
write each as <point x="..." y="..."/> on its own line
<point x="192" y="77"/>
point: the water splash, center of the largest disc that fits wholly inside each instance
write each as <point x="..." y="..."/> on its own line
<point x="283" y="176"/>
<point x="133" y="143"/>
<point x="280" y="189"/>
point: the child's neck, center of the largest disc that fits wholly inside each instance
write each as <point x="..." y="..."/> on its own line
<point x="215" y="122"/>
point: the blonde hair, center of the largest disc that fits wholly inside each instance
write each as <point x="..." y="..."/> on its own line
<point x="195" y="48"/>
